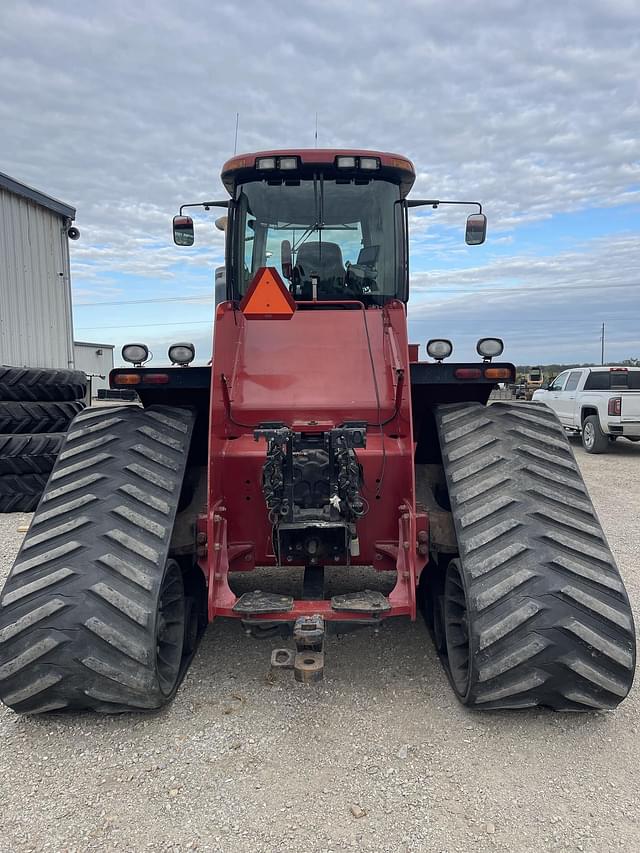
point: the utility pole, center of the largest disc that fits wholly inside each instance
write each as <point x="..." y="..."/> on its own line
<point x="602" y="346"/>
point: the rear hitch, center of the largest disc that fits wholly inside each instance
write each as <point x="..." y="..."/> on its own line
<point x="307" y="662"/>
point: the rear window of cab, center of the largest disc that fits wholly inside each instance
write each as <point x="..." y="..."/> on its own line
<point x="613" y="380"/>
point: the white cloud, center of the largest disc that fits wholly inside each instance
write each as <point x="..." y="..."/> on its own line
<point x="128" y="110"/>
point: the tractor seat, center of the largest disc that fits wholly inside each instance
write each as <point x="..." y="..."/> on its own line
<point x="323" y="260"/>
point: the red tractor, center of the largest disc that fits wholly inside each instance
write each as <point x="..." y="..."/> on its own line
<point x="316" y="438"/>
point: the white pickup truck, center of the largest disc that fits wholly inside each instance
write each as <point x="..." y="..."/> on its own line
<point x="602" y="403"/>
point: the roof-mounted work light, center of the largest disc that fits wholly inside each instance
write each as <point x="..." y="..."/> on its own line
<point x="366" y="163"/>
<point x="283" y="163"/>
<point x="265" y="163"/>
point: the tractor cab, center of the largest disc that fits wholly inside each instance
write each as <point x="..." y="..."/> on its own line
<point x="333" y="224"/>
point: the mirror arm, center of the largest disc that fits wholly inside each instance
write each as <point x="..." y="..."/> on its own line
<point x="205" y="204"/>
<point x="420" y="202"/>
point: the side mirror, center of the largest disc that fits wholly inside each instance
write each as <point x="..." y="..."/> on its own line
<point x="285" y="259"/>
<point x="476" y="231"/>
<point x="220" y="294"/>
<point x="183" y="230"/>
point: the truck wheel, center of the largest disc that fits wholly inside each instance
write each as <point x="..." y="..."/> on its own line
<point x="21" y="418"/>
<point x="534" y="610"/>
<point x="92" y="615"/>
<point x="29" y="454"/>
<point x="593" y="439"/>
<point x="28" y="384"/>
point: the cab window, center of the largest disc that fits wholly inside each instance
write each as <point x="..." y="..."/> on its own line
<point x="558" y="382"/>
<point x="574" y="378"/>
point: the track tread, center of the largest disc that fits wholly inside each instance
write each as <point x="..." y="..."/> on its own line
<point x="78" y="611"/>
<point x="21" y="492"/>
<point x="29" y="454"/>
<point x="30" y="384"/>
<point x="37" y="417"/>
<point x="550" y="619"/>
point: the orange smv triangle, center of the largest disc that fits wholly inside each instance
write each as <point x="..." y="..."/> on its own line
<point x="267" y="297"/>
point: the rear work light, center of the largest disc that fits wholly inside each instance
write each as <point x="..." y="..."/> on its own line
<point x="467" y="373"/>
<point x="182" y="354"/>
<point x="497" y="373"/>
<point x="369" y="163"/>
<point x="490" y="347"/>
<point x="439" y="348"/>
<point x="135" y="353"/>
<point x="615" y="406"/>
<point x="284" y="163"/>
<point x="366" y="163"/>
<point x="265" y="162"/>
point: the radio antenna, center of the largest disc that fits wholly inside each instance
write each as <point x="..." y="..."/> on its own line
<point x="235" y="141"/>
<point x="316" y="130"/>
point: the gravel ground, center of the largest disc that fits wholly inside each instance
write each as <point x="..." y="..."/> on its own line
<point x="379" y="757"/>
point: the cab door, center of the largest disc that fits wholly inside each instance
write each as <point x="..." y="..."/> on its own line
<point x="566" y="399"/>
<point x="551" y="397"/>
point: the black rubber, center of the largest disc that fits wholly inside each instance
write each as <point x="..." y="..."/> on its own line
<point x="79" y="614"/>
<point x="29" y="384"/>
<point x="548" y="618"/>
<point x="29" y="454"/>
<point x="22" y="492"/>
<point x="600" y="441"/>
<point x="22" y="418"/>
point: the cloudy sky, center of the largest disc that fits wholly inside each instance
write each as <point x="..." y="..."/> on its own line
<point x="126" y="110"/>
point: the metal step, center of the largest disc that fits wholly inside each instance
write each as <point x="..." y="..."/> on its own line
<point x="366" y="601"/>
<point x="263" y="602"/>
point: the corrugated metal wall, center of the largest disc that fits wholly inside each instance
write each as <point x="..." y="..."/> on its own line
<point x="36" y="328"/>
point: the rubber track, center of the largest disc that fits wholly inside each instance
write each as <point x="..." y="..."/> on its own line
<point x="550" y="620"/>
<point x="29" y="454"/>
<point x="20" y="418"/>
<point x="78" y="611"/>
<point x="21" y="493"/>
<point x="28" y="384"/>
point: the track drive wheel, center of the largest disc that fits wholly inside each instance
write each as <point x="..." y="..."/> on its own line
<point x="534" y="608"/>
<point x="93" y="613"/>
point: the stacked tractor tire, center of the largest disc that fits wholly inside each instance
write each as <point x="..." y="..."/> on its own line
<point x="36" y="409"/>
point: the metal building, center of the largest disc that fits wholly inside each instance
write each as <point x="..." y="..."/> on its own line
<point x="96" y="360"/>
<point x="36" y="324"/>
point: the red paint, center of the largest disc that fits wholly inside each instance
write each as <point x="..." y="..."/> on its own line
<point x="312" y="371"/>
<point x="403" y="167"/>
